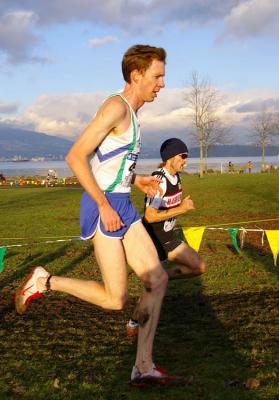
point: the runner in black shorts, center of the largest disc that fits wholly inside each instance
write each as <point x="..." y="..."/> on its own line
<point x="160" y="218"/>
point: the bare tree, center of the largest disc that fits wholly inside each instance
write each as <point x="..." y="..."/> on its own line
<point x="265" y="126"/>
<point x="202" y="100"/>
<point x="276" y="124"/>
<point x="214" y="133"/>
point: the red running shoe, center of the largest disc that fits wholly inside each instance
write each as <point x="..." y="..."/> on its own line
<point x="28" y="289"/>
<point x="155" y="376"/>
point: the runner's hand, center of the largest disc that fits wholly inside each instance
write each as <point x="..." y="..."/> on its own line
<point x="110" y="218"/>
<point x="187" y="204"/>
<point x="148" y="185"/>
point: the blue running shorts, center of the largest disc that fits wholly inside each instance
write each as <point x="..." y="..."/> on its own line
<point x="90" y="219"/>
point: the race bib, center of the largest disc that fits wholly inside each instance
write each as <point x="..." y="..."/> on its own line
<point x="129" y="168"/>
<point x="169" y="224"/>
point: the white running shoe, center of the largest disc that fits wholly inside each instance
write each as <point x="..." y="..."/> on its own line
<point x="155" y="376"/>
<point x="28" y="289"/>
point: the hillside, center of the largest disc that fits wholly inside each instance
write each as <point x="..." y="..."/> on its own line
<point x="218" y="151"/>
<point x="14" y="142"/>
<point x="19" y="142"/>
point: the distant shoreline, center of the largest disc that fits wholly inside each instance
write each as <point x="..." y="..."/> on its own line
<point x="144" y="166"/>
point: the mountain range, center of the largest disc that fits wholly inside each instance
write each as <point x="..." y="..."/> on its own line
<point x="24" y="143"/>
<point x="19" y="142"/>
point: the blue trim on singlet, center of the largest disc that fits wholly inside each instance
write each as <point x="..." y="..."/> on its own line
<point x="113" y="153"/>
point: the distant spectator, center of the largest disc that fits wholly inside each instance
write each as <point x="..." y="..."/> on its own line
<point x="47" y="180"/>
<point x="231" y="166"/>
<point x="249" y="166"/>
<point x="2" y="179"/>
<point x="51" y="178"/>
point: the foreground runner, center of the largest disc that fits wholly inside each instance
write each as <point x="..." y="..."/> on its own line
<point x="160" y="218"/>
<point x="103" y="160"/>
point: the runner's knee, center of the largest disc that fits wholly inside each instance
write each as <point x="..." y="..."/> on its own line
<point x="118" y="303"/>
<point x="202" y="267"/>
<point x="155" y="282"/>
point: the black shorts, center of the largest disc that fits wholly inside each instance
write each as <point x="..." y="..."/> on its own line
<point x="163" y="247"/>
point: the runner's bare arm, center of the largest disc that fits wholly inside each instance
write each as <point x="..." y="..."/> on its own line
<point x="148" y="185"/>
<point x="109" y="117"/>
<point x="152" y="215"/>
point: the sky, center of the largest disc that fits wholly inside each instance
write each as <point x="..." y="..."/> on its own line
<point x="60" y="58"/>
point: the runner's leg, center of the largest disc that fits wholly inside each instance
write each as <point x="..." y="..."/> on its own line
<point x="112" y="294"/>
<point x="189" y="262"/>
<point x="142" y="257"/>
<point x="188" y="265"/>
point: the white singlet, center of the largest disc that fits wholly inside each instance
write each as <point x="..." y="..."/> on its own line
<point x="114" y="160"/>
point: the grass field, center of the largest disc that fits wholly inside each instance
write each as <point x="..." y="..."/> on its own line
<point x="221" y="329"/>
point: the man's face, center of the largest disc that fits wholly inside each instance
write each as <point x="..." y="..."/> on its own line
<point x="152" y="80"/>
<point x="178" y="162"/>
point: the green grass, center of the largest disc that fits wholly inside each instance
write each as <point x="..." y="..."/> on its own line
<point x="221" y="329"/>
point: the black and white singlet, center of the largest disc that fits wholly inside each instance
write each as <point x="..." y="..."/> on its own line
<point x="170" y="198"/>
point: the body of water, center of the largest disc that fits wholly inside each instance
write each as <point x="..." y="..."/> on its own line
<point x="32" y="168"/>
<point x="215" y="163"/>
<point x="144" y="166"/>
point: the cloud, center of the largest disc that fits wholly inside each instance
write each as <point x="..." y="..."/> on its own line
<point x="21" y="22"/>
<point x="170" y="114"/>
<point x="257" y="106"/>
<point x="133" y="16"/>
<point x="242" y="17"/>
<point x="191" y="12"/>
<point x="8" y="108"/>
<point x="68" y="114"/>
<point x="251" y="18"/>
<point x="166" y="113"/>
<point x="101" y="41"/>
<point x="125" y="13"/>
<point x="62" y="115"/>
<point x="16" y="37"/>
<point x="121" y="13"/>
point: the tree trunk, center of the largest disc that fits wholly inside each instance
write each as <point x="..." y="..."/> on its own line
<point x="205" y="158"/>
<point x="263" y="157"/>
<point x="201" y="152"/>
